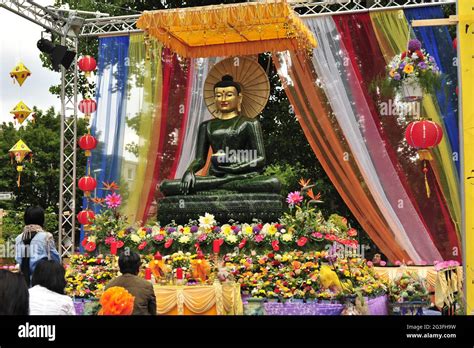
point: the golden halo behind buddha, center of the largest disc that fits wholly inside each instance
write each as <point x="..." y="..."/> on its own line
<point x="252" y="79"/>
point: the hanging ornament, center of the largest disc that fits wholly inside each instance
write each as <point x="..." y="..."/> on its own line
<point x="424" y="135"/>
<point x="20" y="72"/>
<point x="87" y="143"/>
<point x="87" y="64"/>
<point x="21" y="112"/>
<point x="19" y="152"/>
<point x="87" y="107"/>
<point x="86" y="218"/>
<point x="87" y="184"/>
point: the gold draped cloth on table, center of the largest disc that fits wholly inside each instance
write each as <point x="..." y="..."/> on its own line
<point x="213" y="299"/>
<point x="228" y="30"/>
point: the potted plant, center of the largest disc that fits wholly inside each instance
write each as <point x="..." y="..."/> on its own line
<point x="410" y="74"/>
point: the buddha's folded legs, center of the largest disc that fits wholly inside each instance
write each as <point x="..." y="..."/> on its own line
<point x="250" y="182"/>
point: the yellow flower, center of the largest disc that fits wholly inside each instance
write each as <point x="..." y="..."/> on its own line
<point x="187" y="230"/>
<point x="135" y="238"/>
<point x="183" y="240"/>
<point x="121" y="234"/>
<point x="408" y="69"/>
<point x="287" y="237"/>
<point x="231" y="239"/>
<point x="272" y="230"/>
<point x="142" y="233"/>
<point x="226" y="230"/>
<point x="248" y="230"/>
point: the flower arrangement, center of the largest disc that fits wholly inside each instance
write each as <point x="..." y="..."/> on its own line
<point x="409" y="287"/>
<point x="87" y="276"/>
<point x="414" y="65"/>
<point x="116" y="301"/>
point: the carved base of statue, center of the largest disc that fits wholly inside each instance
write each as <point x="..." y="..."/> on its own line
<point x="224" y="205"/>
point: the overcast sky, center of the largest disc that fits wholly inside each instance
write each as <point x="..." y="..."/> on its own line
<point x="18" y="43"/>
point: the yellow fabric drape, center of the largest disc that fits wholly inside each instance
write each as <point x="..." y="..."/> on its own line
<point x="466" y="49"/>
<point x="228" y="30"/>
<point x="226" y="299"/>
<point x="145" y="81"/>
<point x="392" y="31"/>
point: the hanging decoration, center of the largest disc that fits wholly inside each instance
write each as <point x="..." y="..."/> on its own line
<point x="87" y="184"/>
<point x="87" y="143"/>
<point x="21" y="112"/>
<point x="20" y="73"/>
<point x="86" y="217"/>
<point x="87" y="64"/>
<point x="424" y="135"/>
<point x="87" y="107"/>
<point x="20" y="151"/>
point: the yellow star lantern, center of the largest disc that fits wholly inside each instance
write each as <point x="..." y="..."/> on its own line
<point x="21" y="112"/>
<point x="20" y="72"/>
<point x="19" y="152"/>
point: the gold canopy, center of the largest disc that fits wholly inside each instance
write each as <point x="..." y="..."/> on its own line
<point x="228" y="30"/>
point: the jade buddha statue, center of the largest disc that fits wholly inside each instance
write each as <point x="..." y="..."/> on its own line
<point x="236" y="143"/>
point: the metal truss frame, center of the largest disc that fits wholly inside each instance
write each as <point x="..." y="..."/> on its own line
<point x="56" y="21"/>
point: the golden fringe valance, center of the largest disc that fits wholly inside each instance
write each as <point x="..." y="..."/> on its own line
<point x="199" y="299"/>
<point x="229" y="30"/>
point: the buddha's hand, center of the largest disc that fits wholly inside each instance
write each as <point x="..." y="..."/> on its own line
<point x="187" y="182"/>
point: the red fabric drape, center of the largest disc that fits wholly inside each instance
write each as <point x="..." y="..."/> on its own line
<point x="364" y="52"/>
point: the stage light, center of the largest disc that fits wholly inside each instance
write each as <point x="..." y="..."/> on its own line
<point x="59" y="54"/>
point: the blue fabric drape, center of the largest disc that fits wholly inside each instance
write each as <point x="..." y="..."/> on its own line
<point x="437" y="41"/>
<point x="109" y="123"/>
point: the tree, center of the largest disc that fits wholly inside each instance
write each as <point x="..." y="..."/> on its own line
<point x="40" y="178"/>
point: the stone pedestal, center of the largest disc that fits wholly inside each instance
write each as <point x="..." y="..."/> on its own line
<point x="242" y="207"/>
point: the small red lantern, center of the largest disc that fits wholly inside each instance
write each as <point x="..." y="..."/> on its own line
<point x="423" y="135"/>
<point x="87" y="143"/>
<point x="87" y="64"/>
<point x="87" y="107"/>
<point x="87" y="184"/>
<point x="86" y="217"/>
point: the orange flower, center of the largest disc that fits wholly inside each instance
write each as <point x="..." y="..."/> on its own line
<point x="312" y="196"/>
<point x="98" y="200"/>
<point x="110" y="186"/>
<point x="304" y="183"/>
<point x="116" y="301"/>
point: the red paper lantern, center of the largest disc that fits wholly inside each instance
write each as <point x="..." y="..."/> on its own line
<point x="423" y="134"/>
<point x="87" y="64"/>
<point x="87" y="107"/>
<point x="87" y="143"/>
<point x="86" y="217"/>
<point x="87" y="184"/>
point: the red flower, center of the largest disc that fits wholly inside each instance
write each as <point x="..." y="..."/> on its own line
<point x="168" y="243"/>
<point x="242" y="243"/>
<point x="271" y="255"/>
<point x="275" y="245"/>
<point x="276" y="291"/>
<point x="420" y="55"/>
<point x="404" y="54"/>
<point x="119" y="244"/>
<point x="84" y="242"/>
<point x="90" y="246"/>
<point x="142" y="245"/>
<point x="352" y="232"/>
<point x="302" y="241"/>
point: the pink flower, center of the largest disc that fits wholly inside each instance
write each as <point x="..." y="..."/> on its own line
<point x="302" y="241"/>
<point x="258" y="238"/>
<point x="382" y="263"/>
<point x="410" y="262"/>
<point x="317" y="235"/>
<point x="113" y="200"/>
<point x="275" y="245"/>
<point x="398" y="263"/>
<point x="159" y="237"/>
<point x="294" y="197"/>
<point x="352" y="232"/>
<point x="202" y="237"/>
<point x="370" y="263"/>
<point x="142" y="245"/>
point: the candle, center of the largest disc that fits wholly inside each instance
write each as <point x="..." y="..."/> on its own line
<point x="179" y="273"/>
<point x="216" y="246"/>
<point x="148" y="273"/>
<point x="113" y="248"/>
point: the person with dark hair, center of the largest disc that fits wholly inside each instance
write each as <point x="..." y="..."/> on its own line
<point x="13" y="294"/>
<point x="145" y="300"/>
<point x="34" y="244"/>
<point x="47" y="294"/>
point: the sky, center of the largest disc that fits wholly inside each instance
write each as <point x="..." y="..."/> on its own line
<point x="18" y="43"/>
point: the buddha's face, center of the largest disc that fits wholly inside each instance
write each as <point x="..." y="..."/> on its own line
<point x="227" y="99"/>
